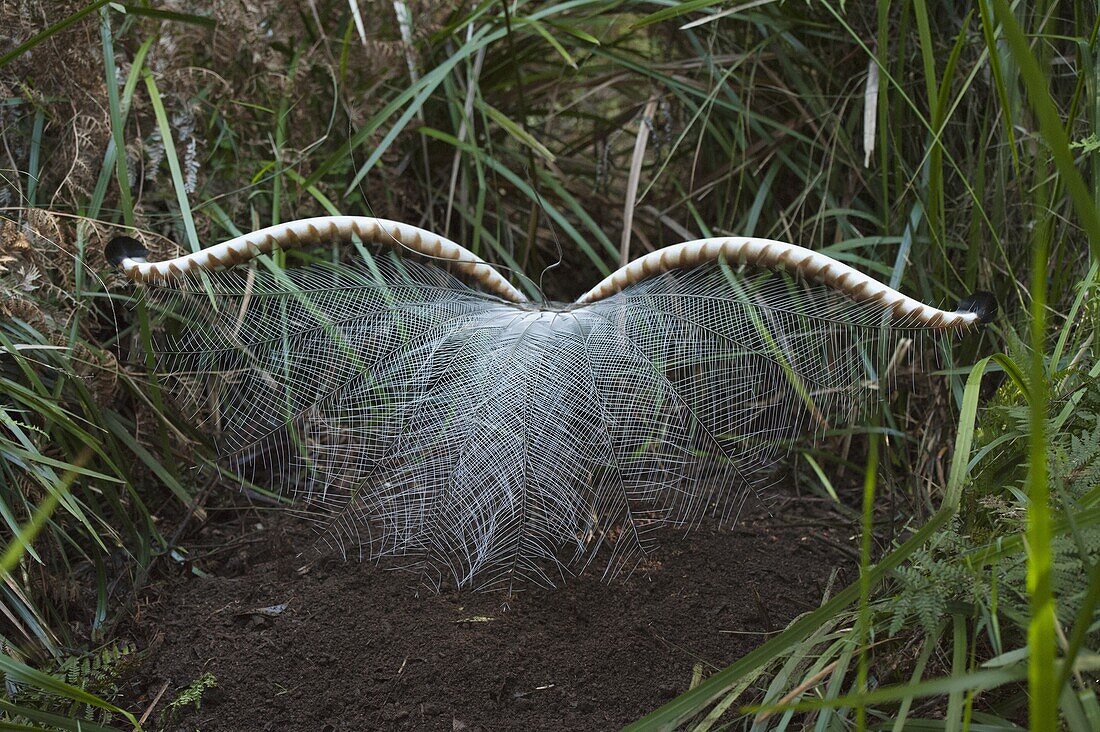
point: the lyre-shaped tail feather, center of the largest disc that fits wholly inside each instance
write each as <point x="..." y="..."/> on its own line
<point x="497" y="441"/>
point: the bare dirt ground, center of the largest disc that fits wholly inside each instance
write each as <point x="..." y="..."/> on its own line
<point x="358" y="647"/>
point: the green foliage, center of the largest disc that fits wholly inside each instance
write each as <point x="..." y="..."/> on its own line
<point x="940" y="574"/>
<point x="191" y="695"/>
<point x="1074" y="459"/>
<point x="96" y="672"/>
<point x="1087" y="145"/>
<point x="934" y="578"/>
<point x="66" y="409"/>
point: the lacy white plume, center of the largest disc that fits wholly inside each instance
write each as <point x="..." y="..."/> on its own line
<point x="494" y="442"/>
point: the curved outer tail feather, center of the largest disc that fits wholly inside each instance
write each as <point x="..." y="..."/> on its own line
<point x="767" y="253"/>
<point x="318" y="230"/>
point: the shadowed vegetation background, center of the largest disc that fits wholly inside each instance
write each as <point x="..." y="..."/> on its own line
<point x="943" y="149"/>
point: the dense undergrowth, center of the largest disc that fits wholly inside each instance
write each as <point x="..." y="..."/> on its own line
<point x="944" y="148"/>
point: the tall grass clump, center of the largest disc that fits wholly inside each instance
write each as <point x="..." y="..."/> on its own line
<point x="70" y="461"/>
<point x="944" y="148"/>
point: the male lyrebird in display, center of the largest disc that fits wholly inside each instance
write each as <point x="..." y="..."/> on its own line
<point x="422" y="406"/>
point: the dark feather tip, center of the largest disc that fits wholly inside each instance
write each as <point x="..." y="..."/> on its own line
<point x="982" y="304"/>
<point x="121" y="247"/>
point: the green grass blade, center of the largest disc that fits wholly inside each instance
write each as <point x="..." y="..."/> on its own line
<point x="24" y="674"/>
<point x="173" y="161"/>
<point x="56" y="721"/>
<point x="118" y="122"/>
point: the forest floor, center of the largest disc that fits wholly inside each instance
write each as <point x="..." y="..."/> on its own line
<point x="297" y="639"/>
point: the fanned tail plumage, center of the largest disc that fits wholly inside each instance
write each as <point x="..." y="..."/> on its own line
<point x="493" y="442"/>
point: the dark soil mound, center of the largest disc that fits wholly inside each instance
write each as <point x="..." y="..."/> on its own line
<point x="358" y="647"/>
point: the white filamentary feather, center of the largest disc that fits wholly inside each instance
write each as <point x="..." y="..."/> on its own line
<point x="495" y="441"/>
